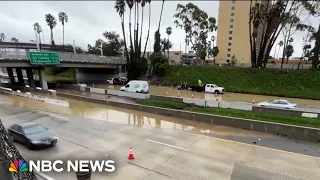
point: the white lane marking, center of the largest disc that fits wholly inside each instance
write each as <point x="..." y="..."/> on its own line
<point x="167" y="144"/>
<point x="44" y="176"/>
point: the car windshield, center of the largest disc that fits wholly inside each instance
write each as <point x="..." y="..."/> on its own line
<point x="36" y="129"/>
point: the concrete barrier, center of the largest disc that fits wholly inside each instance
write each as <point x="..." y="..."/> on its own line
<point x="56" y="102"/>
<point x="198" y="102"/>
<point x="295" y="132"/>
<point x="166" y="98"/>
<point x="291" y="112"/>
<point x="97" y="90"/>
<point x="236" y="105"/>
<point x="128" y="94"/>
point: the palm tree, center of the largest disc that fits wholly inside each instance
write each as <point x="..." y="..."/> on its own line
<point x="63" y="18"/>
<point x="52" y="22"/>
<point x="120" y="7"/>
<point x="168" y="31"/>
<point x="2" y="37"/>
<point x="143" y="3"/>
<point x="38" y="29"/>
<point x="279" y="44"/>
<point x="130" y="4"/>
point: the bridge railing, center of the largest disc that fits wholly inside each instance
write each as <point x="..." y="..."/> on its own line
<point x="68" y="57"/>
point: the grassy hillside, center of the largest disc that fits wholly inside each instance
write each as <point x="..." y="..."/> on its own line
<point x="287" y="83"/>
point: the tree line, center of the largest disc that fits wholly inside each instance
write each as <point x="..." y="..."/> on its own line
<point x="269" y="19"/>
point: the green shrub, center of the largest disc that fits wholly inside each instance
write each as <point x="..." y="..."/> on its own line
<point x="276" y="82"/>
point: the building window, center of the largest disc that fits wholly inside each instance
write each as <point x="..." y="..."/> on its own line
<point x="231" y="20"/>
<point x="229" y="49"/>
<point x="232" y="8"/>
<point x="228" y="55"/>
<point x="228" y="61"/>
<point x="230" y="38"/>
<point x="229" y="44"/>
<point x="231" y="26"/>
<point x="230" y="32"/>
<point x="232" y="14"/>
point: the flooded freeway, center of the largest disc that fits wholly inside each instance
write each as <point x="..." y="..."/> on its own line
<point x="162" y="90"/>
<point x="164" y="147"/>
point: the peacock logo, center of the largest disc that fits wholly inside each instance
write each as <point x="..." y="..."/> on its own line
<point x="18" y="166"/>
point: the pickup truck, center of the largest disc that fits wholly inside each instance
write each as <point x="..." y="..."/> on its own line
<point x="208" y="88"/>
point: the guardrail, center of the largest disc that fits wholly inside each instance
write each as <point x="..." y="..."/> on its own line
<point x="68" y="57"/>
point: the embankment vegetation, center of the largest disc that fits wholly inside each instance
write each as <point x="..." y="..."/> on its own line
<point x="275" y="82"/>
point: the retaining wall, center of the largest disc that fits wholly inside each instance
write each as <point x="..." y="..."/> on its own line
<point x="295" y="132"/>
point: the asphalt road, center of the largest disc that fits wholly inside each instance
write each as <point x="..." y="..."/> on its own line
<point x="159" y="153"/>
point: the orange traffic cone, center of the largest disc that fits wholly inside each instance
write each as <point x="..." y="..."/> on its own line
<point x="253" y="102"/>
<point x="192" y="96"/>
<point x="178" y="94"/>
<point x="130" y="154"/>
<point x="167" y="93"/>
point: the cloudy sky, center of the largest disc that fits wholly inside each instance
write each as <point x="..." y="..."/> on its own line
<point x="88" y="20"/>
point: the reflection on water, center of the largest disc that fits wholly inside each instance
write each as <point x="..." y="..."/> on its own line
<point x="161" y="90"/>
<point x="125" y="116"/>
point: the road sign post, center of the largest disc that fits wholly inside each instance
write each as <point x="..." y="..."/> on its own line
<point x="44" y="58"/>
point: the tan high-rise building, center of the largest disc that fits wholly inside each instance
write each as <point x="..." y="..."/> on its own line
<point x="233" y="32"/>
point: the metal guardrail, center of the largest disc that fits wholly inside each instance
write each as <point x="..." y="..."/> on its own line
<point x="68" y="57"/>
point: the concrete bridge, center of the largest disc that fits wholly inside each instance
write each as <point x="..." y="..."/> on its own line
<point x="83" y="63"/>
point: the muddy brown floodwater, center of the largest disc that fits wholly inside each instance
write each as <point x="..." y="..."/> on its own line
<point x="162" y="90"/>
<point x="125" y="116"/>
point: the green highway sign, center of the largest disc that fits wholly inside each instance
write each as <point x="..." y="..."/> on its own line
<point x="44" y="58"/>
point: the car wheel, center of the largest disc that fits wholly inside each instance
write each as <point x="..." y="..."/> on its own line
<point x="216" y="92"/>
<point x="29" y="145"/>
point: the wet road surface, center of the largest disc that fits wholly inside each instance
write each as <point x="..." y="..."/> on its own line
<point x="160" y="153"/>
<point x="162" y="90"/>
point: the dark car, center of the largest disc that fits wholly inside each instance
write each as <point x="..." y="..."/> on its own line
<point x="32" y="135"/>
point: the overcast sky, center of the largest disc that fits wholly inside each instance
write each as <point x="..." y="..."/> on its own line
<point x="88" y="20"/>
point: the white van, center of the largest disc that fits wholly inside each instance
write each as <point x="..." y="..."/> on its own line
<point x="136" y="87"/>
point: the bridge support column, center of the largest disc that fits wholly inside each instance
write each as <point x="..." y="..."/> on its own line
<point x="11" y="76"/>
<point x="122" y="71"/>
<point x="30" y="78"/>
<point x="42" y="78"/>
<point x="20" y="76"/>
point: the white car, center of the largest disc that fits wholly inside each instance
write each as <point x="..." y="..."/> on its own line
<point x="81" y="84"/>
<point x="278" y="104"/>
<point x="212" y="88"/>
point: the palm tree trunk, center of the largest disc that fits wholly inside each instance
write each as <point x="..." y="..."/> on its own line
<point x="141" y="28"/>
<point x="130" y="33"/>
<point x="160" y="16"/>
<point x="135" y="25"/>
<point x="40" y="45"/>
<point x="124" y="38"/>
<point x="145" y="46"/>
<point x="63" y="35"/>
<point x="52" y="41"/>
<point x="137" y="35"/>
<point x="168" y="47"/>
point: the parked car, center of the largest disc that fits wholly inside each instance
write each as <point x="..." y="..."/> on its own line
<point x="136" y="87"/>
<point x="278" y="104"/>
<point x="208" y="88"/>
<point x="32" y="135"/>
<point x="114" y="81"/>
